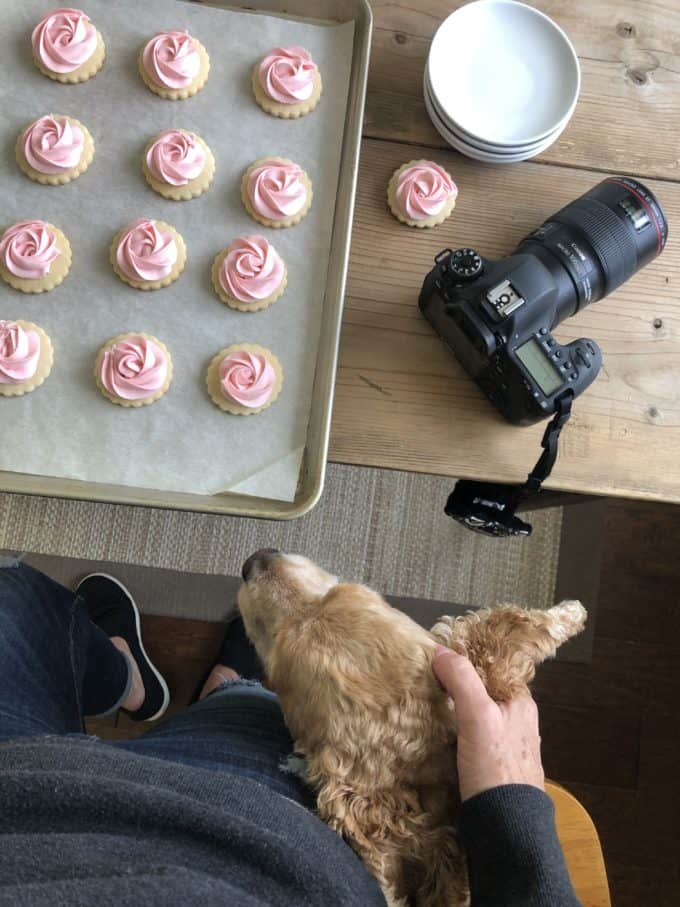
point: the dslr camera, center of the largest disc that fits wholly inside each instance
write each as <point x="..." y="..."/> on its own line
<point x="497" y="317"/>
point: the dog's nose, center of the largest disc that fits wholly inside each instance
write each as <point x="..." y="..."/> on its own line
<point x="258" y="562"/>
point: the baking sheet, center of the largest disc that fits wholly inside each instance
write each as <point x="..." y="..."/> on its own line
<point x="182" y="442"/>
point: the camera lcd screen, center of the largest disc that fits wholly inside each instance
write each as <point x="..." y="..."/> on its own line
<point x="539" y="366"/>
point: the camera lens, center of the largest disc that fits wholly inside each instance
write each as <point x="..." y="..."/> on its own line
<point x="597" y="242"/>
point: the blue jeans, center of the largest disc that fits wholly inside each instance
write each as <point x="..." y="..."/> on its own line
<point x="57" y="668"/>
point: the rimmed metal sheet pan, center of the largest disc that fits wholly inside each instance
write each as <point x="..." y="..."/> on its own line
<point x="313" y="467"/>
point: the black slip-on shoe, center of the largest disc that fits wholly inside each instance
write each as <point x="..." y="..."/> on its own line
<point x="112" y="608"/>
<point x="238" y="653"/>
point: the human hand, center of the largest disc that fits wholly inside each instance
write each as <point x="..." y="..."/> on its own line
<point x="498" y="743"/>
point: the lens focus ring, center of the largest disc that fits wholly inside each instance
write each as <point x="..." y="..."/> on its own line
<point x="607" y="234"/>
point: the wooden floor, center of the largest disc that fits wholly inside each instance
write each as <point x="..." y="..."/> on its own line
<point x="611" y="730"/>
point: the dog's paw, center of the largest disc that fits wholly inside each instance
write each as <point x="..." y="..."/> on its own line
<point x="569" y="618"/>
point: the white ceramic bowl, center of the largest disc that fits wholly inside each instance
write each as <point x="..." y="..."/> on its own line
<point x="471" y="140"/>
<point x="479" y="154"/>
<point x="504" y="72"/>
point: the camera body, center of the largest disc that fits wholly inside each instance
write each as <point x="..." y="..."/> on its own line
<point x="497" y="318"/>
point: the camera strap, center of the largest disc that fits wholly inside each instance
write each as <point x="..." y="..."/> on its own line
<point x="551" y="438"/>
<point x="489" y="507"/>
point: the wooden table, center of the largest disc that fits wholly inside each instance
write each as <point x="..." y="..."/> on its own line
<point x="402" y="401"/>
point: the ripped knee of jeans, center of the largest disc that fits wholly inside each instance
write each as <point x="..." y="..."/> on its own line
<point x="295" y="764"/>
<point x="231" y="682"/>
<point x="9" y="560"/>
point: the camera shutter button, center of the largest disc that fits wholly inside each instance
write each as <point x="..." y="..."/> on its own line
<point x="465" y="264"/>
<point x="583" y="357"/>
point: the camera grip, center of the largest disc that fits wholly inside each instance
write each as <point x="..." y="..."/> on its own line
<point x="586" y="357"/>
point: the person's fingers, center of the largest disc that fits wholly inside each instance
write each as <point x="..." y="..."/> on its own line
<point x="457" y="675"/>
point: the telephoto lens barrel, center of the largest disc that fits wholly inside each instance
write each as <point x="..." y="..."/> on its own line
<point x="598" y="241"/>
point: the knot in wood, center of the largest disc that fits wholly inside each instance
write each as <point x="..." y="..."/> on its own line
<point x="626" y="30"/>
<point x="637" y="76"/>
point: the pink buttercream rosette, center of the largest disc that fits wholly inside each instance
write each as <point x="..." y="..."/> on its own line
<point x="176" y="157"/>
<point x="244" y="379"/>
<point x="64" y="39"/>
<point x="174" y="64"/>
<point x="276" y="191"/>
<point x="250" y="274"/>
<point x="247" y="378"/>
<point x="25" y="357"/>
<point x="19" y="353"/>
<point x="28" y="249"/>
<point x="53" y="145"/>
<point x="286" y="75"/>
<point x="35" y="256"/>
<point x="148" y="254"/>
<point x="421" y="193"/>
<point x="64" y="42"/>
<point x="146" y="251"/>
<point x="134" y="369"/>
<point x="287" y="82"/>
<point x="171" y="59"/>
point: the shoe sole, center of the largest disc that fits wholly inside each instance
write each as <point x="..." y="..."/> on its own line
<point x="159" y="677"/>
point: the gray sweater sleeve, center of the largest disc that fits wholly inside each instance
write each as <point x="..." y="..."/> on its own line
<point x="514" y="855"/>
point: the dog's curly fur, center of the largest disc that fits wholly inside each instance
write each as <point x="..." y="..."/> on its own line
<point x="355" y="682"/>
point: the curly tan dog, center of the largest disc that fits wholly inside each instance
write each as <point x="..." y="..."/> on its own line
<point x="355" y="682"/>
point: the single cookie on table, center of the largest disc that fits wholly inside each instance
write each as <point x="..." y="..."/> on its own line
<point x="67" y="47"/>
<point x="174" y="65"/>
<point x="53" y="150"/>
<point x="178" y="164"/>
<point x="249" y="275"/>
<point x="35" y="256"/>
<point x="243" y="379"/>
<point x="26" y="357"/>
<point x="133" y="369"/>
<point x="287" y="82"/>
<point x="421" y="194"/>
<point x="276" y="192"/>
<point x="148" y="254"/>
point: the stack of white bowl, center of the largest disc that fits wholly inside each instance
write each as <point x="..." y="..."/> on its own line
<point x="501" y="81"/>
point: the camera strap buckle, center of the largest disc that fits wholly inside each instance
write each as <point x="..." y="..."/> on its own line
<point x="489" y="507"/>
<point x="551" y="438"/>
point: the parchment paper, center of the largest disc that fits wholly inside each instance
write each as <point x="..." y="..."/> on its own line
<point x="183" y="442"/>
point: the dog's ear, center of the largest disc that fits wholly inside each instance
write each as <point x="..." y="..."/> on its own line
<point x="506" y="643"/>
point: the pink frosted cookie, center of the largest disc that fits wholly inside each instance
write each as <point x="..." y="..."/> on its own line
<point x="34" y="256"/>
<point x="250" y="274"/>
<point x="54" y="150"/>
<point x="276" y="192"/>
<point x="178" y="164"/>
<point x="174" y="65"/>
<point x="421" y="194"/>
<point x="67" y="47"/>
<point x="287" y="82"/>
<point x="244" y="379"/>
<point x="148" y="254"/>
<point x="25" y="357"/>
<point x="133" y="369"/>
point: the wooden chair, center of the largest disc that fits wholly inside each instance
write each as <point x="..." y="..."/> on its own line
<point x="581" y="846"/>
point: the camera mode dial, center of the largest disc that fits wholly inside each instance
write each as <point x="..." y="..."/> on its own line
<point x="465" y="264"/>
